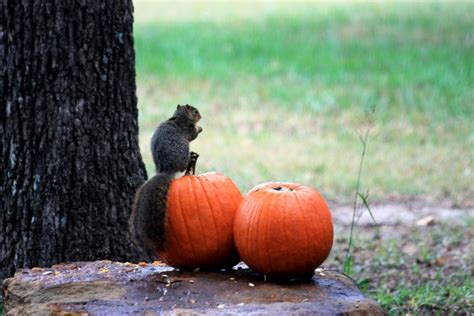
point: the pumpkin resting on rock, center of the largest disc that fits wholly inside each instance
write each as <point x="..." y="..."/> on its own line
<point x="199" y="223"/>
<point x="283" y="230"/>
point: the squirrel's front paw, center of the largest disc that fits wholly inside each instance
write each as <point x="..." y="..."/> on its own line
<point x="199" y="129"/>
<point x="193" y="155"/>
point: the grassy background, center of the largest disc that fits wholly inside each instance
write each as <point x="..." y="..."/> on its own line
<point x="282" y="89"/>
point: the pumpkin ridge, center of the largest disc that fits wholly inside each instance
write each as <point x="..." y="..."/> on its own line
<point x="322" y="225"/>
<point x="306" y="261"/>
<point x="285" y="229"/>
<point x="329" y="228"/>
<point x="244" y="217"/>
<point x="221" y="205"/>
<point x="193" y="251"/>
<point x="258" y="234"/>
<point x="316" y="201"/>
<point x="192" y="181"/>
<point x="249" y="219"/>
<point x="209" y="208"/>
<point x="268" y="234"/>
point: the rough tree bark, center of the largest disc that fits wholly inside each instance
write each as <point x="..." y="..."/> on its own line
<point x="70" y="161"/>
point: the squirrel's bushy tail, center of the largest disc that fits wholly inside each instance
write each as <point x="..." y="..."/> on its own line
<point x="148" y="218"/>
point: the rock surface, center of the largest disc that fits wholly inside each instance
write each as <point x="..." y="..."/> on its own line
<point x="114" y="288"/>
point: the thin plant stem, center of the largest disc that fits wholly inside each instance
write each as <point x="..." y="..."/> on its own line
<point x="354" y="207"/>
<point x="363" y="139"/>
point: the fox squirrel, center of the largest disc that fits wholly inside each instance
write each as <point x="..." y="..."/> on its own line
<point x="172" y="157"/>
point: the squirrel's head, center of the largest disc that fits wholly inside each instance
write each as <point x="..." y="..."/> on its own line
<point x="189" y="111"/>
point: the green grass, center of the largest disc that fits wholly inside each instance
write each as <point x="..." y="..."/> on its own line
<point x="282" y="93"/>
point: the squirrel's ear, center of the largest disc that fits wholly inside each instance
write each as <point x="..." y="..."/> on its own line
<point x="178" y="106"/>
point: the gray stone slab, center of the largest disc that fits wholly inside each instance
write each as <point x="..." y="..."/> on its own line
<point x="114" y="288"/>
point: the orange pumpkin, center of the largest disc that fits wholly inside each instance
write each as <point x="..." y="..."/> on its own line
<point x="283" y="230"/>
<point x="201" y="211"/>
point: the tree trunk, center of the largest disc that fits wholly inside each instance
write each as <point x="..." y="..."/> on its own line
<point x="70" y="161"/>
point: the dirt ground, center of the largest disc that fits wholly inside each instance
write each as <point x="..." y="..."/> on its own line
<point x="417" y="258"/>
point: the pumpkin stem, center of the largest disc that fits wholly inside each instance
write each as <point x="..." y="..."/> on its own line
<point x="282" y="189"/>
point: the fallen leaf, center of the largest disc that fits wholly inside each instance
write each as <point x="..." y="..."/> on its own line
<point x="221" y="306"/>
<point x="103" y="270"/>
<point x="251" y="284"/>
<point x="192" y="301"/>
<point x="129" y="264"/>
<point x="142" y="264"/>
<point x="425" y="221"/>
<point x="37" y="269"/>
<point x="191" y="281"/>
<point x="441" y="261"/>
<point x="48" y="272"/>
